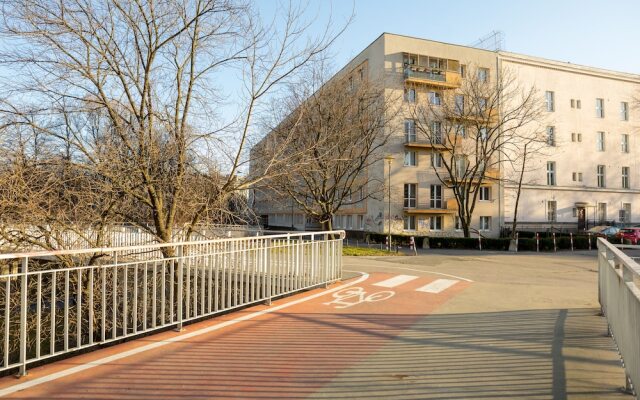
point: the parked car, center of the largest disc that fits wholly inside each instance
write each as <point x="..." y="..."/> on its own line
<point x="630" y="234"/>
<point x="604" y="231"/>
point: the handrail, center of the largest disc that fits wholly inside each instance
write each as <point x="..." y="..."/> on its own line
<point x="50" y="308"/>
<point x="619" y="297"/>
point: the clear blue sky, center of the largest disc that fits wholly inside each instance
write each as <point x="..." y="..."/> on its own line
<point x="595" y="33"/>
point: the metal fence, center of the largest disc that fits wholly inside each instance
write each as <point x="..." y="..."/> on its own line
<point x="52" y="303"/>
<point x="619" y="295"/>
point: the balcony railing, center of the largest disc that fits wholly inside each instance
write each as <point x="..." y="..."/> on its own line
<point x="440" y="206"/>
<point x="437" y="77"/>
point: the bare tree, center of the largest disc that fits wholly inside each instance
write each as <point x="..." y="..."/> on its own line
<point x="129" y="92"/>
<point x="340" y="128"/>
<point x="473" y="130"/>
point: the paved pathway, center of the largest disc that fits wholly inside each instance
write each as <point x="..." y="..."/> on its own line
<point x="440" y="326"/>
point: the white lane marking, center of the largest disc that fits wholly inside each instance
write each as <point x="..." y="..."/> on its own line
<point x="396" y="281"/>
<point x="418" y="270"/>
<point x="180" y="338"/>
<point x="437" y="286"/>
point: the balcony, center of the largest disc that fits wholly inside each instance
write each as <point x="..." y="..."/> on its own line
<point x="491" y="174"/>
<point x="432" y="76"/>
<point x="413" y="143"/>
<point x="448" y="206"/>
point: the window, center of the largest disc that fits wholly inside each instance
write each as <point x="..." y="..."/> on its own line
<point x="436" y="160"/>
<point x="409" y="223"/>
<point x="457" y="223"/>
<point x="577" y="176"/>
<point x="436" y="129"/>
<point x="573" y="103"/>
<point x="482" y="105"/>
<point x="435" y="223"/>
<point x="361" y="73"/>
<point x="436" y="196"/>
<point x="576" y="137"/>
<point x="624" y="143"/>
<point x="600" y="173"/>
<point x="349" y="223"/>
<point x="578" y="104"/>
<point x="460" y="165"/>
<point x="483" y="74"/>
<point x="410" y="95"/>
<point x="409" y="130"/>
<point x="549" y="97"/>
<point x="573" y="137"/>
<point x="483" y="134"/>
<point x="551" y="173"/>
<point x="624" y="111"/>
<point x="461" y="131"/>
<point x="600" y="108"/>
<point x="601" y="210"/>
<point x="410" y="159"/>
<point x="551" y="136"/>
<point x="435" y="98"/>
<point x="360" y="222"/>
<point x="579" y="137"/>
<point x="485" y="193"/>
<point x="485" y="223"/>
<point x="459" y="103"/>
<point x="351" y="85"/>
<point x="409" y="195"/>
<point x="552" y="210"/>
<point x="462" y="69"/>
<point x="600" y="141"/>
<point x="625" y="177"/>
<point x="626" y="209"/>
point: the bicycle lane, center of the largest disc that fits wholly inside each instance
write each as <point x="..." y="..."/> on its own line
<point x="289" y="353"/>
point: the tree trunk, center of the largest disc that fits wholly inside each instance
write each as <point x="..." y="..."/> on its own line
<point x="514" y="224"/>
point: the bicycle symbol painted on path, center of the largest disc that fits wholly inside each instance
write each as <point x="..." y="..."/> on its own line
<point x="352" y="296"/>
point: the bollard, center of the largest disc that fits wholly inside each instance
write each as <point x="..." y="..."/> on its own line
<point x="480" y="241"/>
<point x="589" y="235"/>
<point x="412" y="245"/>
<point x="555" y="248"/>
<point x="537" y="242"/>
<point x="517" y="235"/>
<point x="571" y="240"/>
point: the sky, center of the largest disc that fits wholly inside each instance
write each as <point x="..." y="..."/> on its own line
<point x="594" y="33"/>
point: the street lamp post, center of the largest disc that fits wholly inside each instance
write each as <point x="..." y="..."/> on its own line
<point x="389" y="160"/>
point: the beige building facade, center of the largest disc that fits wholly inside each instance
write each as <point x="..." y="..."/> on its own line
<point x="588" y="172"/>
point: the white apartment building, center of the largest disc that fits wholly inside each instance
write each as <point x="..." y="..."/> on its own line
<point x="589" y="172"/>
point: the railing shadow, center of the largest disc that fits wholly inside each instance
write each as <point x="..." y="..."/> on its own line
<point x="531" y="354"/>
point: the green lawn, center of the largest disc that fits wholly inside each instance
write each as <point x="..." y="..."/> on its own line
<point x="363" y="251"/>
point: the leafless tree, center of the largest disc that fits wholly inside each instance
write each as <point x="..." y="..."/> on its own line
<point x="129" y="93"/>
<point x="340" y="129"/>
<point x="474" y="130"/>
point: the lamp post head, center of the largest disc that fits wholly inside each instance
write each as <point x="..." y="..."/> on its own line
<point x="389" y="159"/>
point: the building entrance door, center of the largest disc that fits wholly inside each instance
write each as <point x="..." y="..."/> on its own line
<point x="582" y="218"/>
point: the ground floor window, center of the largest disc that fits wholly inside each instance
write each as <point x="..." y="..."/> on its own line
<point x="485" y="223"/>
<point x="360" y="222"/>
<point x="457" y="222"/>
<point x="436" y="223"/>
<point x="602" y="212"/>
<point x="410" y="223"/>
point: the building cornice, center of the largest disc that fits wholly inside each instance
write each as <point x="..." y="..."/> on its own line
<point x="574" y="189"/>
<point x="568" y="67"/>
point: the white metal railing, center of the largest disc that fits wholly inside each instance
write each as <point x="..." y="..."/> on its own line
<point x="619" y="295"/>
<point x="56" y="302"/>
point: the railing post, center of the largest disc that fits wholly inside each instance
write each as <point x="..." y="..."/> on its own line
<point x="180" y="255"/>
<point x="325" y="267"/>
<point x="23" y="318"/>
<point x="269" y="279"/>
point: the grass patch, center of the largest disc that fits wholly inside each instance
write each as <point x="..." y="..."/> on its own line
<point x="364" y="251"/>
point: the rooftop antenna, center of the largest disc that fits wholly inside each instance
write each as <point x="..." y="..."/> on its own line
<point x="493" y="41"/>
